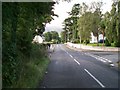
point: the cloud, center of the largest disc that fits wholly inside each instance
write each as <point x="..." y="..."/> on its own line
<point x="62" y="8"/>
<point x="53" y="28"/>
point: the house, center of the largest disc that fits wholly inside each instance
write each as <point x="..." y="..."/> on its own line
<point x="37" y="39"/>
<point x="94" y="38"/>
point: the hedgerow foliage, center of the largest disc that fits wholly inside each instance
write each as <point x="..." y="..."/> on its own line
<point x="19" y="21"/>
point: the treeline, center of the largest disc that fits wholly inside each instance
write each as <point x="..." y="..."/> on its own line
<point x="19" y="23"/>
<point x="52" y="36"/>
<point x="84" y="19"/>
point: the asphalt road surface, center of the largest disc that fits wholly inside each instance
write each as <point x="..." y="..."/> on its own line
<point x="76" y="69"/>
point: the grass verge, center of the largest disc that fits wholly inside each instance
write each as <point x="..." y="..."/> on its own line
<point x="32" y="74"/>
<point x="33" y="69"/>
<point x="100" y="44"/>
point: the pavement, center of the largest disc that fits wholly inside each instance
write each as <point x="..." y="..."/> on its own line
<point x="95" y="48"/>
<point x="79" y="69"/>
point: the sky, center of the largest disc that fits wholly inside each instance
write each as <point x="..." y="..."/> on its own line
<point x="62" y="8"/>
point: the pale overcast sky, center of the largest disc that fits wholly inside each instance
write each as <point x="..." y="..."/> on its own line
<point x="62" y="8"/>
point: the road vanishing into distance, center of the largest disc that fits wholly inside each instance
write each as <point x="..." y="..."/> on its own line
<point x="78" y="69"/>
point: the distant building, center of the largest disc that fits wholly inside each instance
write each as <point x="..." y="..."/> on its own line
<point x="94" y="38"/>
<point x="37" y="39"/>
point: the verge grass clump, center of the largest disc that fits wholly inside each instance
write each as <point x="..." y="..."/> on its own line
<point x="33" y="68"/>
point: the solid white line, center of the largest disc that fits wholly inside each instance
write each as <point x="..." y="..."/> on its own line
<point x="99" y="58"/>
<point x="71" y="56"/>
<point x="95" y="78"/>
<point x="76" y="61"/>
<point x="112" y="65"/>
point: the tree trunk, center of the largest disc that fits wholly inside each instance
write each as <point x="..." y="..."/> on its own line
<point x="97" y="40"/>
<point x="103" y="38"/>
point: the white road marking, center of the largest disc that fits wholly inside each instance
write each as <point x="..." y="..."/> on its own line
<point x="95" y="78"/>
<point x="104" y="59"/>
<point x="109" y="61"/>
<point x="99" y="58"/>
<point x="112" y="65"/>
<point x="67" y="52"/>
<point x="71" y="56"/>
<point x="76" y="61"/>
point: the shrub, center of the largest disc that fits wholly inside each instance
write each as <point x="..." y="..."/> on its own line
<point x="107" y="43"/>
<point x="86" y="41"/>
<point x="76" y="41"/>
<point x="117" y="43"/>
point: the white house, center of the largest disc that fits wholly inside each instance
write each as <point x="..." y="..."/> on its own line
<point x="94" y="38"/>
<point x="38" y="39"/>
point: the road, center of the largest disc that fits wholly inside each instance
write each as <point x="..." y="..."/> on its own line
<point x="77" y="69"/>
<point x="112" y="56"/>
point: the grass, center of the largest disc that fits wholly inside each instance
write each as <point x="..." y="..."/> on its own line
<point x="100" y="44"/>
<point x="33" y="70"/>
<point x="94" y="44"/>
<point x="32" y="74"/>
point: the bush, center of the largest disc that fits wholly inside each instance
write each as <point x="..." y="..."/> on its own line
<point x="82" y="41"/>
<point x="9" y="63"/>
<point x="107" y="42"/>
<point x="86" y="41"/>
<point x="76" y="41"/>
<point x="117" y="43"/>
<point x="23" y="71"/>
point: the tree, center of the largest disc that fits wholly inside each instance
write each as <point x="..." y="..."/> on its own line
<point x="52" y="36"/>
<point x="117" y="16"/>
<point x="19" y="23"/>
<point x="84" y="23"/>
<point x="74" y="14"/>
<point x="96" y="19"/>
<point x="63" y="36"/>
<point x="68" y="27"/>
<point x="89" y="20"/>
<point x="48" y="36"/>
<point x="108" y="30"/>
<point x="102" y="28"/>
<point x="70" y="23"/>
<point x="55" y="35"/>
<point x="113" y="24"/>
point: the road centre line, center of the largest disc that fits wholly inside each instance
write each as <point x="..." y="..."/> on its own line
<point x="67" y="52"/>
<point x="71" y="56"/>
<point x="76" y="61"/>
<point x="95" y="78"/>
